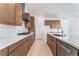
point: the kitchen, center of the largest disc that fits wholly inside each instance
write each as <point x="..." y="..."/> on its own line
<point x="39" y="29"/>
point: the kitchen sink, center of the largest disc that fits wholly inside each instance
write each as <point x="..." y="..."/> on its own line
<point x="59" y="35"/>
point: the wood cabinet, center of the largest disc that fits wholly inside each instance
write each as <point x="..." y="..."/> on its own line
<point x="4" y="52"/>
<point x="14" y="46"/>
<point x="7" y="12"/>
<point x="23" y="47"/>
<point x="20" y="48"/>
<point x="31" y="27"/>
<point x="48" y="22"/>
<point x="27" y="44"/>
<point x="15" y="49"/>
<point x="11" y="13"/>
<point x="26" y="19"/>
<point x="17" y="52"/>
<point x="60" y="48"/>
<point x="51" y="41"/>
<point x="64" y="49"/>
<point x="18" y="11"/>
<point x="53" y="23"/>
<point x="29" y="22"/>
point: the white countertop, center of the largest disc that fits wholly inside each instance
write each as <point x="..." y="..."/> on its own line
<point x="73" y="41"/>
<point x="7" y="41"/>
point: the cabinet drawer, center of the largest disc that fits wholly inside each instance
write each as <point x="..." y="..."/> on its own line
<point x="14" y="46"/>
<point x="64" y="49"/>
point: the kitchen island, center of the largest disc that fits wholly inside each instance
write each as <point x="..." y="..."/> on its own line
<point x="17" y="45"/>
<point x="63" y="46"/>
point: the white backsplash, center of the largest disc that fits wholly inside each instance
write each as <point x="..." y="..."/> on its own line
<point x="56" y="30"/>
<point x="9" y="30"/>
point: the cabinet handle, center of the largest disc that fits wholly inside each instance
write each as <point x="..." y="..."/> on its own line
<point x="64" y="47"/>
<point x="12" y="55"/>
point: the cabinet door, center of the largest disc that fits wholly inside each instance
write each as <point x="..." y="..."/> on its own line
<point x="32" y="24"/>
<point x="27" y="44"/>
<point x="11" y="13"/>
<point x="52" y="44"/>
<point x="49" y="41"/>
<point x="4" y="52"/>
<point x="66" y="50"/>
<point x="25" y="47"/>
<point x="30" y="40"/>
<point x="7" y="13"/>
<point x="18" y="14"/>
<point x="14" y="46"/>
<point x="17" y="51"/>
<point x="55" y="24"/>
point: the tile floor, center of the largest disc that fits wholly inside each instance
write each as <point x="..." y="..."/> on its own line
<point x="39" y="48"/>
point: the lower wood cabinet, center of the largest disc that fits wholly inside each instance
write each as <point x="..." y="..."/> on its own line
<point x="4" y="52"/>
<point x="51" y="41"/>
<point x="60" y="48"/>
<point x="17" y="51"/>
<point x="64" y="49"/>
<point x="27" y="44"/>
<point x="20" y="48"/>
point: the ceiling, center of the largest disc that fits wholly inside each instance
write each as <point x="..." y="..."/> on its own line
<point x="53" y="9"/>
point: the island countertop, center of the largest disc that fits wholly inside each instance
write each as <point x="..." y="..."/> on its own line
<point x="72" y="41"/>
<point x="7" y="41"/>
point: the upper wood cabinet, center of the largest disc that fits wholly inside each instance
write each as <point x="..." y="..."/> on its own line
<point x="32" y="24"/>
<point x="18" y="11"/>
<point x="11" y="13"/>
<point x="27" y="20"/>
<point x="53" y="23"/>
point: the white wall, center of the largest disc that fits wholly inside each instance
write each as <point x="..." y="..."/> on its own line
<point x="65" y="23"/>
<point x="39" y="26"/>
<point x="75" y="26"/>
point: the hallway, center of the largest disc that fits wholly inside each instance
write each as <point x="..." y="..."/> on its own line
<point x="39" y="48"/>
